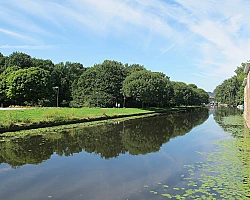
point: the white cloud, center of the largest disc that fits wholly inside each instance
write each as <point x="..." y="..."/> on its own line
<point x="200" y="75"/>
<point x="222" y="29"/>
<point x="165" y="50"/>
<point x="15" y="34"/>
<point x="29" y="47"/>
<point x="217" y="31"/>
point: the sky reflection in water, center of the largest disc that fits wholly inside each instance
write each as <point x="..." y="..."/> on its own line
<point x="113" y="161"/>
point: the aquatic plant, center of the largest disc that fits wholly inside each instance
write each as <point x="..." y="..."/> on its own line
<point x="226" y="172"/>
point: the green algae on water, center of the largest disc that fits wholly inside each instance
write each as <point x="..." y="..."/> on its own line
<point x="226" y="172"/>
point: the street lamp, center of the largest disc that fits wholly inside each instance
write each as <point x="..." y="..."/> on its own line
<point x="97" y="98"/>
<point x="124" y="100"/>
<point x="57" y="88"/>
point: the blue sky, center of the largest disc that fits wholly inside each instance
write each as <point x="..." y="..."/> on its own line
<point x="194" y="41"/>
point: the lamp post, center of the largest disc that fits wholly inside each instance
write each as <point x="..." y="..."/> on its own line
<point x="57" y="88"/>
<point x="97" y="98"/>
<point x="124" y="100"/>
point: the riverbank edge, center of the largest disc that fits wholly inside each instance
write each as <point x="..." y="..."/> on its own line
<point x="43" y="124"/>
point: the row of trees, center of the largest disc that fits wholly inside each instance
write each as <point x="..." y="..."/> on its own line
<point x="231" y="91"/>
<point x="30" y="81"/>
<point x="110" y="82"/>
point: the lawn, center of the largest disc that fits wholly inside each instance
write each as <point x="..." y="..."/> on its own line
<point x="9" y="118"/>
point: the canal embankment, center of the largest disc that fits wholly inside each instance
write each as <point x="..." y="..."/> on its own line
<point x="32" y="118"/>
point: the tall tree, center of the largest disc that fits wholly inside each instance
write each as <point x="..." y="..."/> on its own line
<point x="60" y="80"/>
<point x="74" y="71"/>
<point x="146" y="87"/>
<point x="231" y="91"/>
<point x="2" y="62"/>
<point x="4" y="84"/>
<point x="43" y="64"/>
<point x="133" y="68"/>
<point x="100" y="85"/>
<point x="29" y="86"/>
<point x="19" y="59"/>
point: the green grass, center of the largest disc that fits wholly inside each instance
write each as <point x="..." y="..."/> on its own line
<point x="10" y="118"/>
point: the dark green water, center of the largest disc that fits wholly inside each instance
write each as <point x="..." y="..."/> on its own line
<point x="116" y="161"/>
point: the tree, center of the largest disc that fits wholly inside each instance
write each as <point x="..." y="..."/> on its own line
<point x="228" y="91"/>
<point x="29" y="86"/>
<point x="188" y="95"/>
<point x="133" y="68"/>
<point x="181" y="95"/>
<point x="43" y="64"/>
<point x="2" y="62"/>
<point x="100" y="85"/>
<point x="4" y="85"/>
<point x="60" y="80"/>
<point x="231" y="91"/>
<point x="198" y="95"/>
<point x="202" y="96"/>
<point x="146" y="87"/>
<point x="21" y="60"/>
<point x="240" y="77"/>
<point x="74" y="71"/>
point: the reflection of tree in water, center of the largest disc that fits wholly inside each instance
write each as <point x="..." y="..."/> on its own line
<point x="18" y="152"/>
<point x="104" y="140"/>
<point x="147" y="135"/>
<point x="231" y="124"/>
<point x="222" y="113"/>
<point x="184" y="123"/>
<point x="138" y="136"/>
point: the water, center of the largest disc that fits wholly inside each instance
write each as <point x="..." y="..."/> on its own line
<point x="116" y="161"/>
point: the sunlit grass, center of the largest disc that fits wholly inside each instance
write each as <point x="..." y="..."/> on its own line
<point x="10" y="118"/>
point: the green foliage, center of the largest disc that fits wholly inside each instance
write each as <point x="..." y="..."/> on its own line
<point x="44" y="64"/>
<point x="133" y="68"/>
<point x="29" y="84"/>
<point x="21" y="60"/>
<point x="60" y="80"/>
<point x="30" y="81"/>
<point x="4" y="83"/>
<point x="231" y="90"/>
<point x="100" y="85"/>
<point x="2" y="62"/>
<point x="147" y="87"/>
<point x="65" y="76"/>
<point x="188" y="94"/>
<point x="18" y="90"/>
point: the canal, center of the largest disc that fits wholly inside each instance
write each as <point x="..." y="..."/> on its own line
<point x="178" y="155"/>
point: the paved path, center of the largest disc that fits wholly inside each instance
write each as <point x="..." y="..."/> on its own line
<point x="12" y="108"/>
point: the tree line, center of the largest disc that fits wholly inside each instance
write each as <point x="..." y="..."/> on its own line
<point x="231" y="91"/>
<point x="31" y="81"/>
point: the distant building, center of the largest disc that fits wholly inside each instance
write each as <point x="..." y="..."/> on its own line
<point x="211" y="97"/>
<point x="246" y="83"/>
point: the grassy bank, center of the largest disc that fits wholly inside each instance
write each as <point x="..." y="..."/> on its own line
<point x="12" y="120"/>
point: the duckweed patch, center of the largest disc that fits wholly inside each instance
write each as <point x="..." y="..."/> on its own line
<point x="225" y="174"/>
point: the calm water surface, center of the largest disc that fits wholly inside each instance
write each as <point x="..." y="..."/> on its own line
<point x="108" y="162"/>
